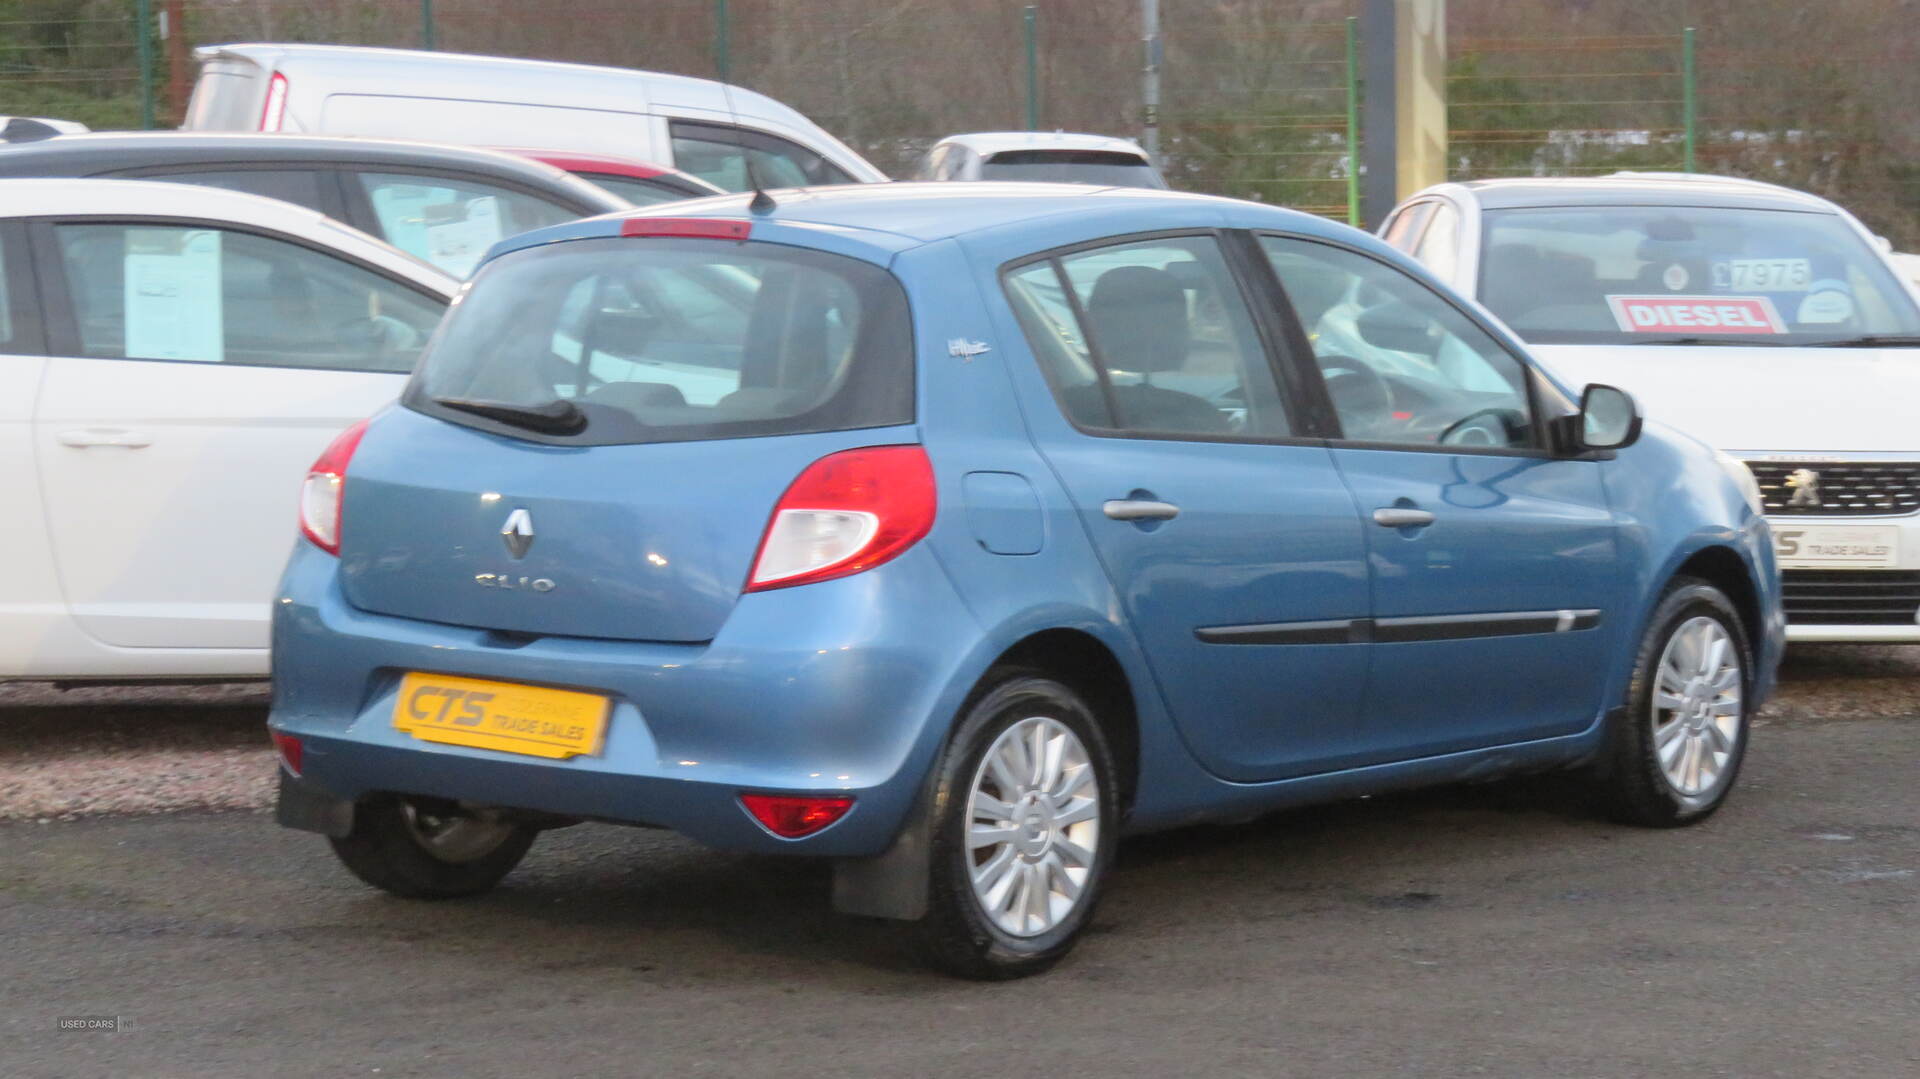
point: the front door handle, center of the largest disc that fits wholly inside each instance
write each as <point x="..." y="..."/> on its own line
<point x="1137" y="509"/>
<point x="84" y="437"/>
<point x="1401" y="517"/>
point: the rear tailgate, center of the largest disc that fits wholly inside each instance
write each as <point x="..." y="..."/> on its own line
<point x="638" y="542"/>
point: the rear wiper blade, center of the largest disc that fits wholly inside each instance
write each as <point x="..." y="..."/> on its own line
<point x="1872" y="340"/>
<point x="556" y="417"/>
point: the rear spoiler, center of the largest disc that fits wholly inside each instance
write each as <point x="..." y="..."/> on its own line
<point x="28" y="129"/>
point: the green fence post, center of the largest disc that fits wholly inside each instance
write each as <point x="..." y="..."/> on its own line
<point x="1353" y="121"/>
<point x="428" y="39"/>
<point x="143" y="43"/>
<point x="1689" y="104"/>
<point x="722" y="41"/>
<point x="1032" y="18"/>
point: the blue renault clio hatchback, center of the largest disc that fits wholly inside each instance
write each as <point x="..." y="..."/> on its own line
<point x="952" y="531"/>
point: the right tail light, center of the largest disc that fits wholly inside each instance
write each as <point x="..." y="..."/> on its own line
<point x="848" y="512"/>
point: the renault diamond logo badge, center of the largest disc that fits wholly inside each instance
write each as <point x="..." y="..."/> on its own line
<point x="1805" y="484"/>
<point x="518" y="533"/>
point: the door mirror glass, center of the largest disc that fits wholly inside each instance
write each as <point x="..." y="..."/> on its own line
<point x="1609" y="418"/>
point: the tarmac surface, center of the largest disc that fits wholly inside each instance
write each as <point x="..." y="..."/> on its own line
<point x="1491" y="930"/>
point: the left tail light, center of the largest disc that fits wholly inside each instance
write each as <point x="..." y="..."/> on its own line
<point x="325" y="484"/>
<point x="847" y="513"/>
<point x="274" y="111"/>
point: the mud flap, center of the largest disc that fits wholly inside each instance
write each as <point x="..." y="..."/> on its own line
<point x="894" y="884"/>
<point x="309" y="807"/>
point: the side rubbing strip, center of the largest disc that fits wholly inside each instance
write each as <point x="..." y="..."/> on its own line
<point x="1335" y="631"/>
<point x="1444" y="627"/>
<point x="1450" y="627"/>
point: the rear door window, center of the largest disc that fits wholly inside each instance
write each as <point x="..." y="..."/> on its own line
<point x="209" y="295"/>
<point x="635" y="189"/>
<point x="1150" y="338"/>
<point x="18" y="332"/>
<point x="718" y="154"/>
<point x="298" y="186"/>
<point x="451" y="223"/>
<point x="1406" y="225"/>
<point x="1439" y="248"/>
<point x="659" y="340"/>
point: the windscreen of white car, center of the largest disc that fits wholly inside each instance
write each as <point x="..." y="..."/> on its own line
<point x="1688" y="275"/>
<point x="1108" y="168"/>
<point x="660" y="339"/>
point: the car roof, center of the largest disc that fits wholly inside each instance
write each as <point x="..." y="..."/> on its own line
<point x="52" y="197"/>
<point x="875" y="221"/>
<point x="987" y="143"/>
<point x="143" y="149"/>
<point x="1642" y="189"/>
<point x="541" y="82"/>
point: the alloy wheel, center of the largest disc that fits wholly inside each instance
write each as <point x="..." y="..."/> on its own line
<point x="1033" y="826"/>
<point x="1697" y="705"/>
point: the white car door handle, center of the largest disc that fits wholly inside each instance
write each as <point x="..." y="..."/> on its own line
<point x="1132" y="509"/>
<point x="1401" y="517"/>
<point x="83" y="437"/>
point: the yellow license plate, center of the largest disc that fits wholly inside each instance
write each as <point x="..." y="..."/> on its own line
<point x="511" y="718"/>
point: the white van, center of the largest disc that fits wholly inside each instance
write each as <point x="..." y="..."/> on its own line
<point x="688" y="123"/>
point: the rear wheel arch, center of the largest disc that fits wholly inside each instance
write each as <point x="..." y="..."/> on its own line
<point x="895" y="883"/>
<point x="1084" y="663"/>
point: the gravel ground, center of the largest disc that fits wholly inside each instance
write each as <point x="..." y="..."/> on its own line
<point x="132" y="749"/>
<point x="146" y="749"/>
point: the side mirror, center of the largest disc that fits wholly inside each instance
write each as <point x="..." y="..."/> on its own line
<point x="1395" y="326"/>
<point x="1609" y="418"/>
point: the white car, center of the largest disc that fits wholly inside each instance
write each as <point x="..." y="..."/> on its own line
<point x="1908" y="264"/>
<point x="698" y="126"/>
<point x="172" y="359"/>
<point x="1047" y="156"/>
<point x="1768" y="322"/>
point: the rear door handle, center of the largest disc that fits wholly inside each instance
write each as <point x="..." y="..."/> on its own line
<point x="1135" y="509"/>
<point x="82" y="438"/>
<point x="1401" y="517"/>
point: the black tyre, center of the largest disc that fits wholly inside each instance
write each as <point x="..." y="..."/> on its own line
<point x="1026" y="814"/>
<point x="425" y="849"/>
<point x="1673" y="756"/>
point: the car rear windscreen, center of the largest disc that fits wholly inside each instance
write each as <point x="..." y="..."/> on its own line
<point x="226" y="98"/>
<point x="1109" y="167"/>
<point x="656" y="339"/>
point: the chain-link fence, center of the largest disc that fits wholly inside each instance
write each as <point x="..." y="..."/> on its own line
<point x="1257" y="95"/>
<point x="1569" y="106"/>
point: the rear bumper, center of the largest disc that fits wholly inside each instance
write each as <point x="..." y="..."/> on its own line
<point x="822" y="688"/>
